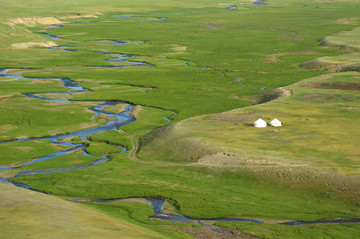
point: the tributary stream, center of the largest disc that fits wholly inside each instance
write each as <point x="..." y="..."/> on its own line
<point x="121" y="119"/>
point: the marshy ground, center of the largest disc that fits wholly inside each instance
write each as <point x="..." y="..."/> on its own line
<point x="199" y="74"/>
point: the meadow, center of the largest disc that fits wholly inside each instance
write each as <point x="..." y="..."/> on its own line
<point x="210" y="73"/>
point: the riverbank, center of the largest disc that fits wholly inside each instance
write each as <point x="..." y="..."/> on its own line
<point x="63" y="104"/>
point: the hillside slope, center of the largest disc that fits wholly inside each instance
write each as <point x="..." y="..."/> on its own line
<point x="28" y="214"/>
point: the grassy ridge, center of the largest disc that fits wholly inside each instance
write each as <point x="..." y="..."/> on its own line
<point x="112" y="137"/>
<point x="312" y="137"/>
<point x="348" y="40"/>
<point x="232" y="56"/>
<point x="198" y="190"/>
<point x="72" y="220"/>
<point x="316" y="147"/>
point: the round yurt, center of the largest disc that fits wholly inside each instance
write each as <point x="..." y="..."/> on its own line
<point x="260" y="123"/>
<point x="275" y="123"/>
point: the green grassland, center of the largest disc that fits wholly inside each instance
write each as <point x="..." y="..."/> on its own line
<point x="97" y="149"/>
<point x="65" y="161"/>
<point x="211" y="165"/>
<point x="224" y="34"/>
<point x="312" y="148"/>
<point x="346" y="230"/>
<point x="241" y="193"/>
<point x="313" y="133"/>
<point x="346" y="62"/>
<point x="184" y="89"/>
<point x="112" y="137"/>
<point x="139" y="211"/>
<point x="19" y="151"/>
<point x="72" y="220"/>
<point x="22" y="117"/>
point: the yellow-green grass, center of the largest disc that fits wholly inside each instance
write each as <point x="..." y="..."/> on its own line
<point x="18" y="152"/>
<point x="199" y="191"/>
<point x="348" y="40"/>
<point x="199" y="187"/>
<point x="138" y="211"/>
<point x="13" y="86"/>
<point x="188" y="90"/>
<point x="27" y="214"/>
<point x="344" y="230"/>
<point x="313" y="3"/>
<point x="147" y="119"/>
<point x="315" y="118"/>
<point x="65" y="161"/>
<point x="346" y="62"/>
<point x="99" y="148"/>
<point x="317" y="142"/>
<point x="115" y="137"/>
<point x="23" y="117"/>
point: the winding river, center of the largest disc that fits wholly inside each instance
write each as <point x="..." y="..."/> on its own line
<point x="120" y="119"/>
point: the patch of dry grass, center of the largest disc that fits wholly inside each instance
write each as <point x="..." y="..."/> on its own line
<point x="275" y="57"/>
<point x="34" y="44"/>
<point x="28" y="214"/>
<point x="35" y="21"/>
<point x="312" y="140"/>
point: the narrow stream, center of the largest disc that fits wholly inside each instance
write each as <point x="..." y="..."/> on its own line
<point x="158" y="203"/>
<point x="121" y="119"/>
<point x="260" y="3"/>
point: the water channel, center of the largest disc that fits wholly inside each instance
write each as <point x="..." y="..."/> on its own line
<point x="119" y="120"/>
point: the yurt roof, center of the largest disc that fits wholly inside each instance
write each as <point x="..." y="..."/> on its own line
<point x="275" y="120"/>
<point x="260" y="120"/>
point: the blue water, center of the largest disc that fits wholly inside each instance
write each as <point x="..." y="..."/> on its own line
<point x="214" y="230"/>
<point x="260" y="3"/>
<point x="231" y="8"/>
<point x="121" y="119"/>
<point x="122" y="16"/>
<point x="166" y="119"/>
<point x="53" y="37"/>
<point x="3" y="74"/>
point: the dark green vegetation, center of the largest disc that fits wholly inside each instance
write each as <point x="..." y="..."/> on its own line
<point x="138" y="211"/>
<point x="112" y="137"/>
<point x="346" y="230"/>
<point x="232" y="57"/>
<point x="217" y="41"/>
<point x="241" y="193"/>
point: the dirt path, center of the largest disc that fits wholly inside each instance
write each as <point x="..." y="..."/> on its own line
<point x="135" y="147"/>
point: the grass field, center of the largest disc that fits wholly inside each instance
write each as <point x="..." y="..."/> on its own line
<point x="72" y="220"/>
<point x="192" y="143"/>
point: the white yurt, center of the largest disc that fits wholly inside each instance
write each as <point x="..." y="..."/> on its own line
<point x="275" y="123"/>
<point x="260" y="123"/>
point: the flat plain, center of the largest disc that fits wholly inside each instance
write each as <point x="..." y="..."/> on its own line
<point x="188" y="79"/>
